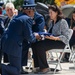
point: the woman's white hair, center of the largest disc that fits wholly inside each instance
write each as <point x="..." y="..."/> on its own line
<point x="9" y="5"/>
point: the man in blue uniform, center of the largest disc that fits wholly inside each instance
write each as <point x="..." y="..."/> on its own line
<point x="38" y="26"/>
<point x="10" y="8"/>
<point x="19" y="28"/>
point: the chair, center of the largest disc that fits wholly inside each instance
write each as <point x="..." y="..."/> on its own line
<point x="66" y="49"/>
<point x="72" y="56"/>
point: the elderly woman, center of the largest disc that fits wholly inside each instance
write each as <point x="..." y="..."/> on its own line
<point x="59" y="38"/>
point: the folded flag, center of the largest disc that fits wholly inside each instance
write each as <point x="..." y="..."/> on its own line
<point x="44" y="33"/>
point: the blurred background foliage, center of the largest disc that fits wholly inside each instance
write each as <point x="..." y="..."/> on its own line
<point x="57" y="2"/>
<point x="20" y="2"/>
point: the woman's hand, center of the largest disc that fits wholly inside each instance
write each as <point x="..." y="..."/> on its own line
<point x="52" y="38"/>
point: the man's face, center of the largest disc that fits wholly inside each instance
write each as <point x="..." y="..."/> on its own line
<point x="30" y="12"/>
<point x="10" y="11"/>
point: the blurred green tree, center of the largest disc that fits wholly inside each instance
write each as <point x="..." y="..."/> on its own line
<point x="45" y="1"/>
<point x="20" y="2"/>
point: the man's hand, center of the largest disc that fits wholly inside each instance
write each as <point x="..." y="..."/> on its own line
<point x="37" y="36"/>
<point x="52" y="38"/>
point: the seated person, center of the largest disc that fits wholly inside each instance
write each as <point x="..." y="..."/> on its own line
<point x="72" y="41"/>
<point x="59" y="38"/>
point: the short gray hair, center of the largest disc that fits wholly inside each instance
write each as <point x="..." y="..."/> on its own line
<point x="9" y="5"/>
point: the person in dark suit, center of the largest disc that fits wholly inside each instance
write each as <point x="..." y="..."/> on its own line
<point x="38" y="26"/>
<point x="1" y="33"/>
<point x="19" y="28"/>
<point x="10" y="8"/>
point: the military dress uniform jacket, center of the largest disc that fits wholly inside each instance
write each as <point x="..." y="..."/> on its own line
<point x="20" y="28"/>
<point x="7" y="21"/>
<point x="38" y="26"/>
<point x="38" y="23"/>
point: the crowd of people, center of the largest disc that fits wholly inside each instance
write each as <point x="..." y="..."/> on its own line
<point x="21" y="30"/>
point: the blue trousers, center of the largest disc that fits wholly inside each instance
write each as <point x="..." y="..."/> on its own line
<point x="14" y="66"/>
<point x="25" y="48"/>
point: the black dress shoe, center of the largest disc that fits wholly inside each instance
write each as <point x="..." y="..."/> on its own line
<point x="24" y="72"/>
